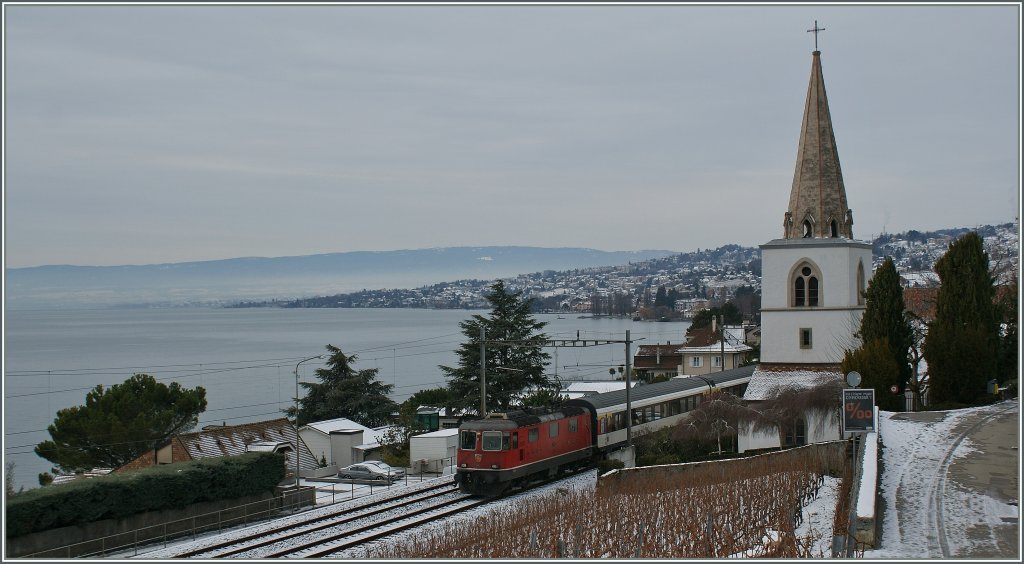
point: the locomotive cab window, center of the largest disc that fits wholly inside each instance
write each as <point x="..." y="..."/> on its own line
<point x="506" y="441"/>
<point x="553" y="429"/>
<point x="468" y="440"/>
<point x="533" y="436"/>
<point x="492" y="440"/>
<point x="572" y="425"/>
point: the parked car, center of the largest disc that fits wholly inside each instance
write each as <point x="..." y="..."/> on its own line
<point x="395" y="473"/>
<point x="364" y="471"/>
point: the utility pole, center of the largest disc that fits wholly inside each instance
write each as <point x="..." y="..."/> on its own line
<point x="483" y="371"/>
<point x="577" y="342"/>
<point x="629" y="409"/>
<point x="721" y="337"/>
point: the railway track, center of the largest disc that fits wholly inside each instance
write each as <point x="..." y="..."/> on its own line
<point x="258" y="537"/>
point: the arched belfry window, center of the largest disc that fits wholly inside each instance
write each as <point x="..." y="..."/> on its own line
<point x="808" y="231"/>
<point x="833" y="228"/>
<point x="806" y="285"/>
<point x="860" y="283"/>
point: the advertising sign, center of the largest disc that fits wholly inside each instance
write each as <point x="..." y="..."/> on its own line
<point x="858" y="410"/>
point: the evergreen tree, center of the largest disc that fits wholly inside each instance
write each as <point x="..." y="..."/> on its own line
<point x="510" y="368"/>
<point x="118" y="424"/>
<point x="345" y="392"/>
<point x="878" y="368"/>
<point x="885" y="318"/>
<point x="963" y="340"/>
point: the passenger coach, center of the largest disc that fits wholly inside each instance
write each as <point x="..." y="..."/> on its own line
<point x="654" y="406"/>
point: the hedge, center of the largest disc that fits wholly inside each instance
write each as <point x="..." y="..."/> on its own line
<point x="172" y="486"/>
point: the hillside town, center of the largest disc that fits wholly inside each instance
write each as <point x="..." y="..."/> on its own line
<point x="700" y="278"/>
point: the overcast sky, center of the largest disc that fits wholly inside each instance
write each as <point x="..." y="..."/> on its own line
<point x="149" y="134"/>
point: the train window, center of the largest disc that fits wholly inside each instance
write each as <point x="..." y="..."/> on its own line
<point x="572" y="425"/>
<point x="492" y="440"/>
<point x="515" y="440"/>
<point x="468" y="440"/>
<point x="533" y="436"/>
<point x="553" y="429"/>
<point x="506" y="441"/>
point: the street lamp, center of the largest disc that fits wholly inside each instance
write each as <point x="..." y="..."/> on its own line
<point x="711" y="385"/>
<point x="297" y="415"/>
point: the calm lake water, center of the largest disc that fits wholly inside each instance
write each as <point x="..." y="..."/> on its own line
<point x="245" y="358"/>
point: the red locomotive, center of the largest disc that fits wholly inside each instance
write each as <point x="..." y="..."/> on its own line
<point x="512" y="449"/>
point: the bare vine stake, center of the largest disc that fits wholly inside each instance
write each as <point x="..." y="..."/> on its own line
<point x="639" y="540"/>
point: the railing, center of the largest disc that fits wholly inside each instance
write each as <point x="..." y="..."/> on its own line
<point x="236" y="515"/>
<point x="178" y="528"/>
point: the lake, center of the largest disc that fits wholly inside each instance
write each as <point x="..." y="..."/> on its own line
<point x="245" y="358"/>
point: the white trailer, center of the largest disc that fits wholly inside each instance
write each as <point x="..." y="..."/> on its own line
<point x="432" y="452"/>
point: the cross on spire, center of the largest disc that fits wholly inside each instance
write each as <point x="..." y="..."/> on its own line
<point x="816" y="30"/>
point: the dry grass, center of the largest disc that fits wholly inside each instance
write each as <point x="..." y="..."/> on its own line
<point x="701" y="513"/>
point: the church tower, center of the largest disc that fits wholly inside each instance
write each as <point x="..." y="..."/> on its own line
<point x="813" y="278"/>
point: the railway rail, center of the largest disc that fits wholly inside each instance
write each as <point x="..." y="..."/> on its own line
<point x="261" y="536"/>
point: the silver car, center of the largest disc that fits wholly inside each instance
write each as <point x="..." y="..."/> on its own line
<point x="363" y="471"/>
<point x="395" y="473"/>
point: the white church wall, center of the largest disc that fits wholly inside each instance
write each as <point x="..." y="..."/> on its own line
<point x="831" y="334"/>
<point x="837" y="260"/>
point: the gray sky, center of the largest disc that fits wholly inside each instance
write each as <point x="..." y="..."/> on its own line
<point x="147" y="134"/>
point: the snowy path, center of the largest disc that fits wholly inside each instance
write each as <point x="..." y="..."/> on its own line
<point x="928" y="511"/>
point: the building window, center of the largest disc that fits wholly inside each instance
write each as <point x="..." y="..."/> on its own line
<point x="716" y="361"/>
<point x="695" y="362"/>
<point x="796" y="434"/>
<point x="805" y="338"/>
<point x="806" y="288"/>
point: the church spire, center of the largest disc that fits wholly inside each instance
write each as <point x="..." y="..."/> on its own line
<point x="817" y="203"/>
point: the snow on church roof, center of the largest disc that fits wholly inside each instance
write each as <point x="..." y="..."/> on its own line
<point x="766" y="380"/>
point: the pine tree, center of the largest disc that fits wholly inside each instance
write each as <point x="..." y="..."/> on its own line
<point x="345" y="392"/>
<point x="962" y="342"/>
<point x="885" y="318"/>
<point x="510" y="368"/>
<point x="118" y="424"/>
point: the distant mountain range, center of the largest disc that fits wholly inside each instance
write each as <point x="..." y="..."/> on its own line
<point x="323" y="280"/>
<point x="259" y="278"/>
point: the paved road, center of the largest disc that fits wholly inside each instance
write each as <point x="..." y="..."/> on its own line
<point x="994" y="471"/>
<point x="951" y="484"/>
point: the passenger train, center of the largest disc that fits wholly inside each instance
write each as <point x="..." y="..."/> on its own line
<point x="506" y="450"/>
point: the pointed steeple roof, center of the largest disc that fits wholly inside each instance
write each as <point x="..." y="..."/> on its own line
<point x="817" y="203"/>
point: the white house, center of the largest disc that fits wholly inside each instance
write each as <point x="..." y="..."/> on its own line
<point x="431" y="452"/>
<point x="335" y="441"/>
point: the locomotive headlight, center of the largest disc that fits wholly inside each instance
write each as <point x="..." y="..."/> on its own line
<point x="463" y="464"/>
<point x="494" y="466"/>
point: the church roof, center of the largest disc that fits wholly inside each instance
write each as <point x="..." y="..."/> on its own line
<point x="767" y="380"/>
<point x="818" y="197"/>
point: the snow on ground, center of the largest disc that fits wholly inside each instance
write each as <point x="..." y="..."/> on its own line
<point x="917" y="452"/>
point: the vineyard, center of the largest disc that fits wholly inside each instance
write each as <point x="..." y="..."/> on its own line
<point x="751" y="507"/>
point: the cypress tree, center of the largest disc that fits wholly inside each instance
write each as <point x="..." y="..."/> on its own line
<point x="962" y="342"/>
<point x="885" y="318"/>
